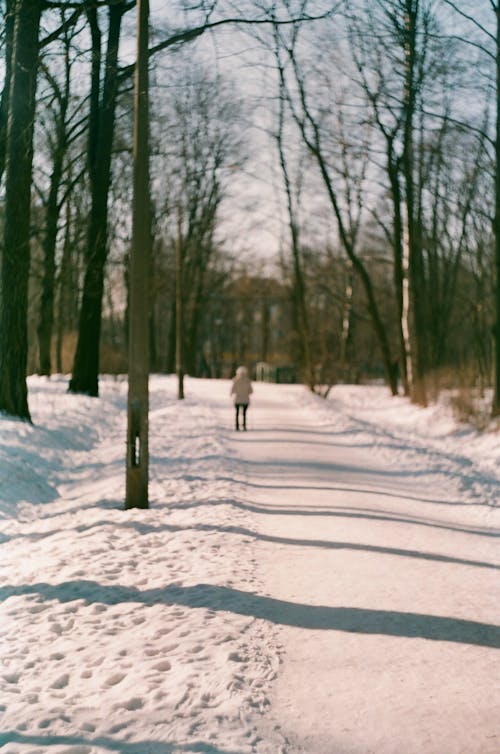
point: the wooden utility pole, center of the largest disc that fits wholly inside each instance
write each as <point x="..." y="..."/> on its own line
<point x="138" y="354"/>
<point x="496" y="229"/>
<point x="179" y="310"/>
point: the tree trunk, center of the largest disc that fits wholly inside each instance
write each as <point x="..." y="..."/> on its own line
<point x="264" y="327"/>
<point x="4" y="100"/>
<point x="46" y="322"/>
<point x="298" y="290"/>
<point x="179" y="311"/>
<point x="415" y="258"/>
<point x="171" y="338"/>
<point x="66" y="291"/>
<point x="16" y="251"/>
<point x="345" y="331"/>
<point x="101" y="130"/>
<point x="399" y="270"/>
<point x="52" y="211"/>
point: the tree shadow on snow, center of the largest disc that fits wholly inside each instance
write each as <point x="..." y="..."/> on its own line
<point x="279" y="612"/>
<point x="315" y="486"/>
<point x="322" y="544"/>
<point x="337" y="512"/>
<point x="435" y="462"/>
<point x="121" y="747"/>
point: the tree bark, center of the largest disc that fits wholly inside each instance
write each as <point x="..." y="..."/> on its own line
<point x="16" y="250"/>
<point x="298" y="290"/>
<point x="66" y="291"/>
<point x="393" y="171"/>
<point x="46" y="321"/>
<point x="179" y="310"/>
<point x="4" y="100"/>
<point x="415" y="257"/>
<point x="52" y="212"/>
<point x="101" y="130"/>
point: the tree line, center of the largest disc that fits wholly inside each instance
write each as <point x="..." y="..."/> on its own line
<point x="381" y="126"/>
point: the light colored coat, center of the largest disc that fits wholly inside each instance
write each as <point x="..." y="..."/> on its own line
<point x="241" y="387"/>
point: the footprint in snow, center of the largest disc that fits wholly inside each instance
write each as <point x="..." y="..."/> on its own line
<point x="115" y="679"/>
<point x="162" y="666"/>
<point x="61" y="682"/>
<point x="133" y="704"/>
<point x="11" y="677"/>
<point x="236" y="657"/>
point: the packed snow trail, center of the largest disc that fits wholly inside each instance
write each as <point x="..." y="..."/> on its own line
<point x="385" y="582"/>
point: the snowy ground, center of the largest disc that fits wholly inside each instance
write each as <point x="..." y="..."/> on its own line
<point x="326" y="583"/>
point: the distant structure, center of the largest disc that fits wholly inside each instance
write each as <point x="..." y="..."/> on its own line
<point x="285" y="373"/>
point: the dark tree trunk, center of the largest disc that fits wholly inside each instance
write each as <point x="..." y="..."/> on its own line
<point x="46" y="323"/>
<point x="394" y="178"/>
<point x="171" y="344"/>
<point x="4" y="99"/>
<point x="299" y="288"/>
<point x="66" y="291"/>
<point x="102" y="119"/>
<point x="52" y="211"/>
<point x="180" y="324"/>
<point x="193" y="348"/>
<point x="264" y="328"/>
<point x="16" y="251"/>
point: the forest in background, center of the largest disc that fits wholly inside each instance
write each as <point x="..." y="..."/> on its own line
<point x="362" y="137"/>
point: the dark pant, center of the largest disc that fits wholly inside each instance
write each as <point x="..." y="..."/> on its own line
<point x="243" y="407"/>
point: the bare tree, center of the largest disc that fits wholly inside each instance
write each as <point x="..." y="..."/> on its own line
<point x="307" y="117"/>
<point x="198" y="151"/>
<point x="103" y="96"/>
<point x="292" y="194"/>
<point x="62" y="125"/>
<point x="480" y="34"/>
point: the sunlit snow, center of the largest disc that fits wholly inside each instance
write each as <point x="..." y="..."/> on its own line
<point x="325" y="583"/>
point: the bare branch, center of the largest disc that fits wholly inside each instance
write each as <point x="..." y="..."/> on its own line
<point x="473" y="20"/>
<point x="71" y="21"/>
<point x="188" y="35"/>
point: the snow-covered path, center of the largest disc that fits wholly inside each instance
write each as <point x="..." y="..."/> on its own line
<point x="385" y="585"/>
<point x="326" y="583"/>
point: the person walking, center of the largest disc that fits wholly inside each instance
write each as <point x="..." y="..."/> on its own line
<point x="241" y="389"/>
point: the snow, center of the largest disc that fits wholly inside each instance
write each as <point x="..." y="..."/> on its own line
<point x="325" y="582"/>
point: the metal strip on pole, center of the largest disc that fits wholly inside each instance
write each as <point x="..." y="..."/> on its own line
<point x="138" y="367"/>
<point x="179" y="309"/>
